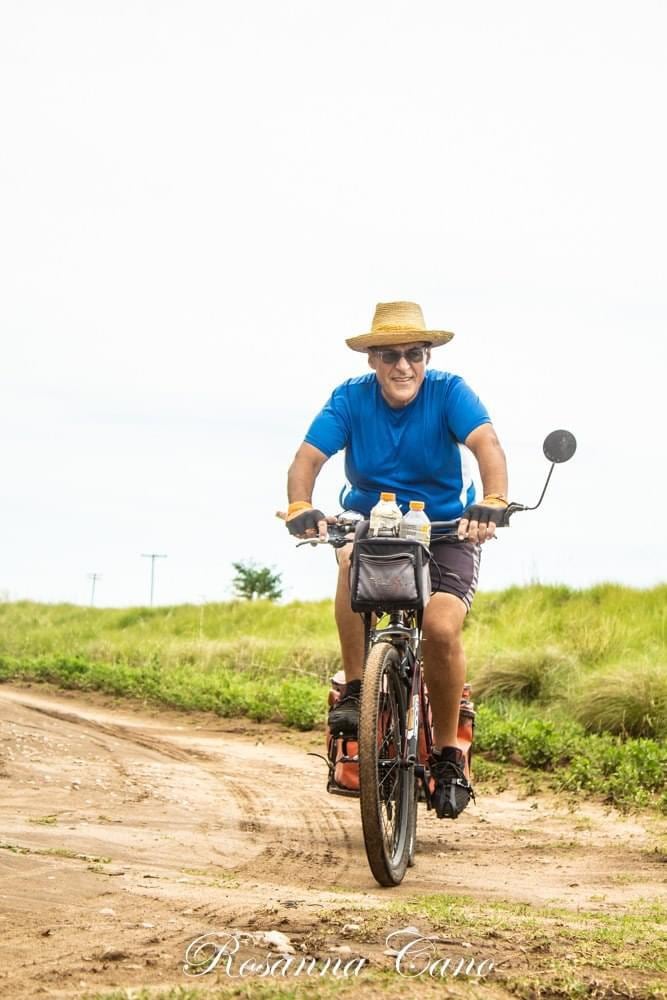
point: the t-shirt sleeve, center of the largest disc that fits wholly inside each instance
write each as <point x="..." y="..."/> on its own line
<point x="464" y="410"/>
<point x="330" y="430"/>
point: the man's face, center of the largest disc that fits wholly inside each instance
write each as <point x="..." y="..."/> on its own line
<point x="400" y="381"/>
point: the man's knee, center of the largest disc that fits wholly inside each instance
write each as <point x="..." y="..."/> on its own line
<point x="444" y="635"/>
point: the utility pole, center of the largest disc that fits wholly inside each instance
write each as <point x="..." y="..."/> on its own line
<point x="152" y="556"/>
<point x="94" y="577"/>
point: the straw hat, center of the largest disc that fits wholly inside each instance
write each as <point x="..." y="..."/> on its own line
<point x="398" y="323"/>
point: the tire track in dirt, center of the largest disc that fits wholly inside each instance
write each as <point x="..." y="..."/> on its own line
<point x="118" y="732"/>
<point x="134" y="832"/>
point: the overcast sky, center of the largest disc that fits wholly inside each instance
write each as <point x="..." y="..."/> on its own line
<point x="201" y="200"/>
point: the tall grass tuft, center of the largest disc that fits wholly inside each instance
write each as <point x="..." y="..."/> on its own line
<point x="627" y="701"/>
<point x="528" y="675"/>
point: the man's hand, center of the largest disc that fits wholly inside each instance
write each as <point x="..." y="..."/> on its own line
<point x="304" y="521"/>
<point x="478" y="522"/>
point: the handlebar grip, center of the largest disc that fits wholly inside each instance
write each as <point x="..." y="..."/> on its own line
<point x="511" y="508"/>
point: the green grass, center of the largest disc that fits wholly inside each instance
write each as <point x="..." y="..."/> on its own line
<point x="569" y="682"/>
<point x="243" y="989"/>
<point x="258" y="660"/>
<point x="58" y="852"/>
<point x="296" y="701"/>
<point x="634" y="939"/>
<point x="606" y="624"/>
<point x="625" y="772"/>
<point x="371" y="984"/>
<point x="250" y="636"/>
<point x="566" y="947"/>
<point x="526" y="631"/>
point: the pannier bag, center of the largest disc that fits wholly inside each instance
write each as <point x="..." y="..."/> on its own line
<point x="389" y="573"/>
<point x="343" y="752"/>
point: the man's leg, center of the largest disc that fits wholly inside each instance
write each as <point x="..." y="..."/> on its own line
<point x="444" y="671"/>
<point x="344" y="716"/>
<point x="444" y="664"/>
<point x="350" y="624"/>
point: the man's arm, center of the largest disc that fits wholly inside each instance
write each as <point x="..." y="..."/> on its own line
<point x="301" y="477"/>
<point x="485" y="446"/>
<point x="303" y="472"/>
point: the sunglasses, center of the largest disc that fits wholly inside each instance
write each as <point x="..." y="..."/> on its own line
<point x="391" y="357"/>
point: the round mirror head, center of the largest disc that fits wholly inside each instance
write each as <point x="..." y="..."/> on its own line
<point x="559" y="446"/>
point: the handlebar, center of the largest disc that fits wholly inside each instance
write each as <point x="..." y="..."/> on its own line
<point x="341" y="531"/>
<point x="559" y="446"/>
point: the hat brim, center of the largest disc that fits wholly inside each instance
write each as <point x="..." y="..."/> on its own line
<point x="378" y="339"/>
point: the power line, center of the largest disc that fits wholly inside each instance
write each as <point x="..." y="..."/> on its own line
<point x="152" y="556"/>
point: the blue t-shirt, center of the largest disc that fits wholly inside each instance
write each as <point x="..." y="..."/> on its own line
<point x="412" y="451"/>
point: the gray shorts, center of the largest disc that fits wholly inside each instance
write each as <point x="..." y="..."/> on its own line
<point x="455" y="569"/>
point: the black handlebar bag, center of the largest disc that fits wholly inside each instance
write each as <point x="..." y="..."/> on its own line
<point x="389" y="574"/>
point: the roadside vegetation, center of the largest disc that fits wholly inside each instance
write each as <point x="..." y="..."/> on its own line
<point x="569" y="683"/>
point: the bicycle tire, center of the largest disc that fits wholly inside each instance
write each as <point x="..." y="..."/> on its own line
<point x="386" y="789"/>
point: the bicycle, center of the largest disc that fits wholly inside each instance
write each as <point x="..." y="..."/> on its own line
<point x="395" y="739"/>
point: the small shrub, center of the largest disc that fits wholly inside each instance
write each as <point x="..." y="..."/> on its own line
<point x="628" y="701"/>
<point x="484" y="770"/>
<point x="301" y="704"/>
<point x="493" y="734"/>
<point x="528" y="675"/>
<point x="543" y="745"/>
<point x="627" y="773"/>
<point x="582" y="774"/>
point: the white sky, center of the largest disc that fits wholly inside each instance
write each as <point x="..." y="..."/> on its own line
<point x="200" y="200"/>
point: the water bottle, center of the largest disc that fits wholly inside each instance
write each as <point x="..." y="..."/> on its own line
<point x="416" y="524"/>
<point x="385" y="516"/>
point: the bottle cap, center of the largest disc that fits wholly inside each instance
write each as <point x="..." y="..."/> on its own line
<point x="417" y="505"/>
<point x="387" y="496"/>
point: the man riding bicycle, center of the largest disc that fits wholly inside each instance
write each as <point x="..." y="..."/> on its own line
<point x="402" y="427"/>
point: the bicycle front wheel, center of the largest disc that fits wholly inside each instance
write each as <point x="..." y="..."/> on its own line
<point x="386" y="788"/>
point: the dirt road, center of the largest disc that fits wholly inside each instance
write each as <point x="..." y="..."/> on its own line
<point x="127" y="833"/>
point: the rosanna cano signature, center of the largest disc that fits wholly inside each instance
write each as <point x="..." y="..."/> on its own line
<point x="414" y="954"/>
<point x="222" y="951"/>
